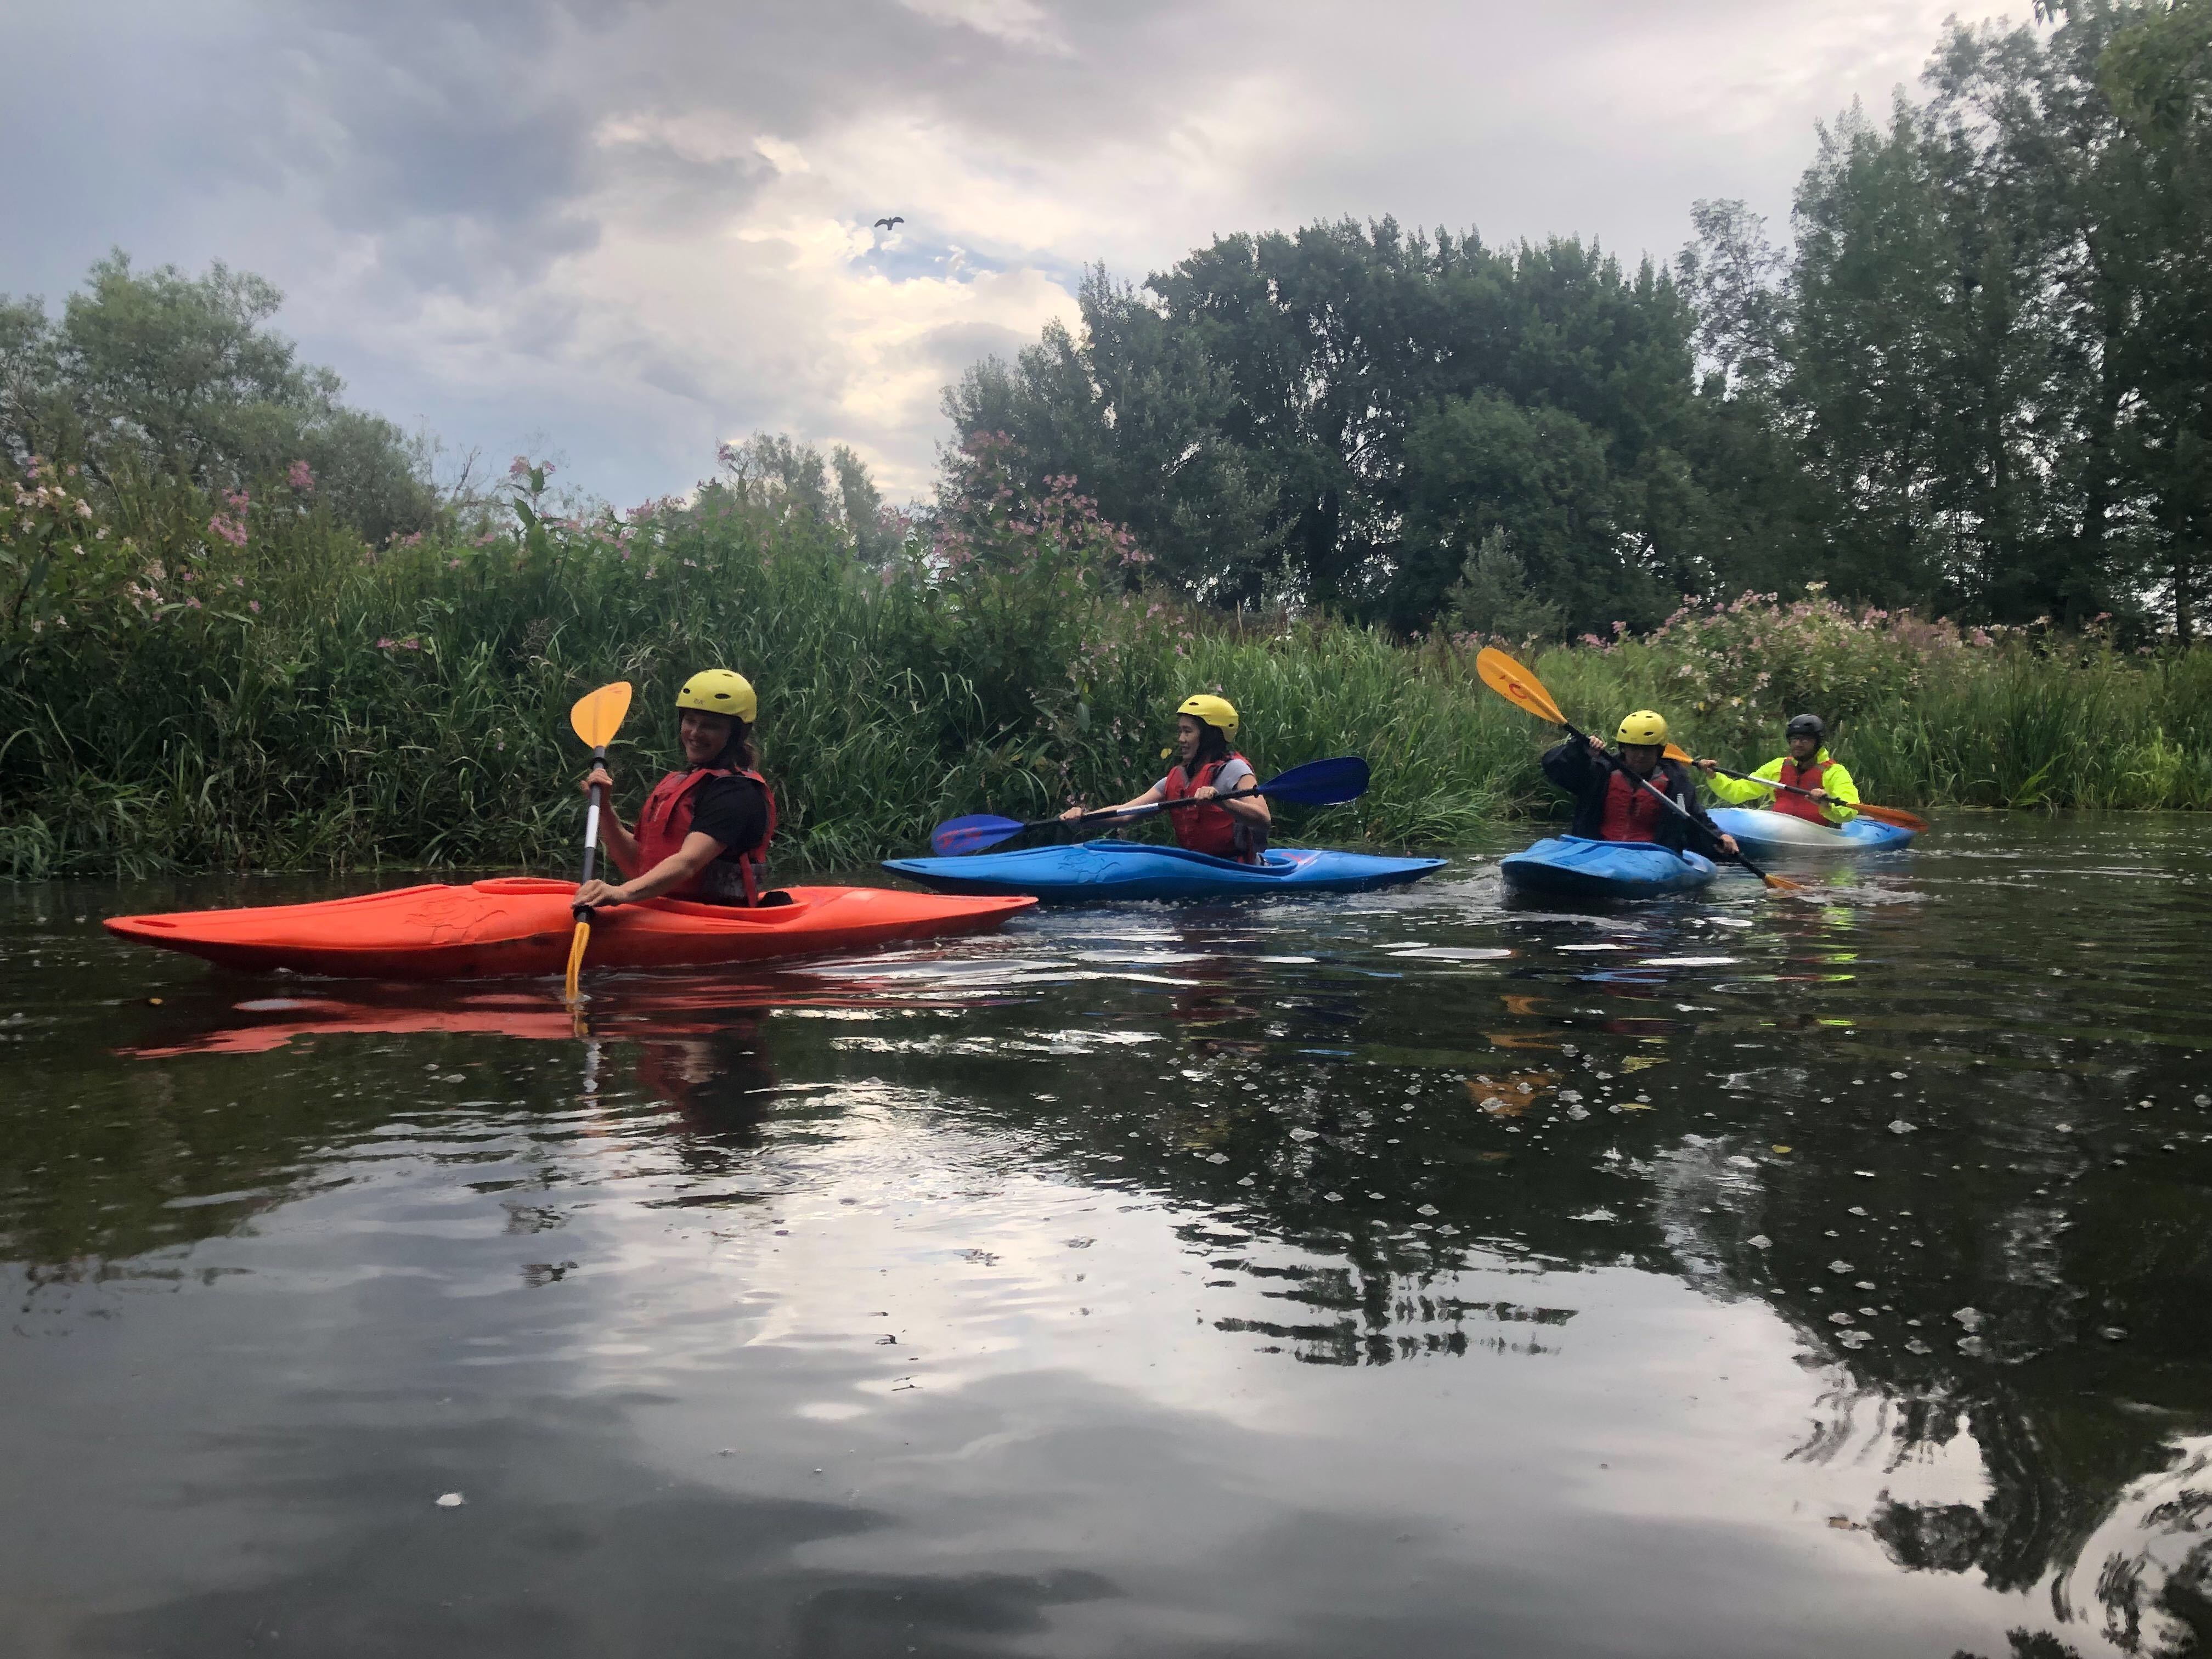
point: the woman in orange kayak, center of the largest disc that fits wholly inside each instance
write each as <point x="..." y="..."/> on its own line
<point x="703" y="832"/>
<point x="1207" y="768"/>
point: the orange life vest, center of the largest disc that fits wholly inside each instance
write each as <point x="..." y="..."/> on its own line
<point x="1631" y="812"/>
<point x="1212" y="829"/>
<point x="665" y="819"/>
<point x="1796" y="806"/>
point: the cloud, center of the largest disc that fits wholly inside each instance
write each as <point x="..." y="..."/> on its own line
<point x="643" y="228"/>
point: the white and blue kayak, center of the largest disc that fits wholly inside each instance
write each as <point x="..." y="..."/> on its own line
<point x="1764" y="834"/>
<point x="1090" y="872"/>
<point x="1568" y="867"/>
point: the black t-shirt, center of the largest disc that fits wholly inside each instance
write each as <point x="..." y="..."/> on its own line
<point x="734" y="811"/>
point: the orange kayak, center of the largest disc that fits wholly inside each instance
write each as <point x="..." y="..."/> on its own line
<point x="520" y="925"/>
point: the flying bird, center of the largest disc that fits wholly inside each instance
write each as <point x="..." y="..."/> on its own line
<point x="893" y="221"/>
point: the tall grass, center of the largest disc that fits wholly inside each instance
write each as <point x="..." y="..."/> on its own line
<point x="174" y="698"/>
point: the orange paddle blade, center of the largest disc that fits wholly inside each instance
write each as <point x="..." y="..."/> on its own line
<point x="570" y="986"/>
<point x="1896" y="815"/>
<point x="1674" y="753"/>
<point x="598" y="716"/>
<point x="1516" y="684"/>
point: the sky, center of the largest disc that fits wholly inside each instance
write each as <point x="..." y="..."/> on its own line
<point x="618" y="235"/>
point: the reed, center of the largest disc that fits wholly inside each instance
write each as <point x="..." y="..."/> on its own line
<point x="275" y="693"/>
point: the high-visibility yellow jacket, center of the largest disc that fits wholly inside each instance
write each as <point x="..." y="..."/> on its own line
<point x="1836" y="780"/>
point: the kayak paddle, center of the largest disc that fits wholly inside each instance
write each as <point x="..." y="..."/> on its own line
<point x="1525" y="691"/>
<point x="596" y="717"/>
<point x="1896" y="815"/>
<point x="1317" y="783"/>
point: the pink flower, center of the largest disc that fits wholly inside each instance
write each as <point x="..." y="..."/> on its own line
<point x="227" y="529"/>
<point x="238" y="499"/>
<point x="518" y="466"/>
<point x="254" y="605"/>
<point x="300" y="476"/>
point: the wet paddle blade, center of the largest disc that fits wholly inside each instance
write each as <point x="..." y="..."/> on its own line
<point x="1780" y="883"/>
<point x="1516" y="684"/>
<point x="570" y="986"/>
<point x="973" y="835"/>
<point x="598" y="716"/>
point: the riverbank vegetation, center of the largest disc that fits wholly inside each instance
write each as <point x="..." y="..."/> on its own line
<point x="270" y="691"/>
<point x="240" y="626"/>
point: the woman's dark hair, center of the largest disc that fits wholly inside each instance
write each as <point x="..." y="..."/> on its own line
<point x="1212" y="745"/>
<point x="737" y="754"/>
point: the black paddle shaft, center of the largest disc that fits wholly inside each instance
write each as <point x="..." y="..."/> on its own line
<point x="599" y="802"/>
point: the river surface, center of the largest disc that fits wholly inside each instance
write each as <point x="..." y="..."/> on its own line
<point x="1405" y="1275"/>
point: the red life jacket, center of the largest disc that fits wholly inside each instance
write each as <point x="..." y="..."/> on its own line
<point x="1796" y="806"/>
<point x="665" y="819"/>
<point x="1632" y="812"/>
<point x="1212" y="829"/>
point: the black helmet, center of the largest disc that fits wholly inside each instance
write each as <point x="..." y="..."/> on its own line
<point x="1804" y="725"/>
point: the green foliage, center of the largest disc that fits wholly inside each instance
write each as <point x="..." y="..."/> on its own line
<point x="156" y="380"/>
<point x="1339" y="416"/>
<point x="243" y="682"/>
<point x="1492" y="596"/>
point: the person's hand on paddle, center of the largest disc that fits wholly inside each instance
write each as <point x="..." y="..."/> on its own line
<point x="1708" y="766"/>
<point x="601" y="895"/>
<point x="1073" y="813"/>
<point x="602" y="778"/>
<point x="1729" y="845"/>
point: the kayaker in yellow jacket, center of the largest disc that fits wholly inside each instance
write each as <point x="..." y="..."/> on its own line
<point x="1807" y="766"/>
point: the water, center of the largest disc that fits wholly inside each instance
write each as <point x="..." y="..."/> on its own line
<point x="1400" y="1275"/>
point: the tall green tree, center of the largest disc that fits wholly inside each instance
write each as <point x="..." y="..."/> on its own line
<point x="1341" y="415"/>
<point x="154" y="374"/>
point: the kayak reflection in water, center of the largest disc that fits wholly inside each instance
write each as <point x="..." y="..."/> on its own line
<point x="1807" y="766"/>
<point x="703" y="832"/>
<point x="1207" y="768"/>
<point x="1612" y="804"/>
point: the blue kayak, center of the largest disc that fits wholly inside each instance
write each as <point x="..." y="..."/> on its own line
<point x="1568" y="867"/>
<point x="1763" y="833"/>
<point x="1094" y="870"/>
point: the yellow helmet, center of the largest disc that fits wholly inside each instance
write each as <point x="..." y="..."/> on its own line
<point x="1213" y="711"/>
<point x="720" y="691"/>
<point x="1644" y="728"/>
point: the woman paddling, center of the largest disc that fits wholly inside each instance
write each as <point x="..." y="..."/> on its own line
<point x="1807" y="766"/>
<point x="703" y="832"/>
<point x="1207" y="768"/>
<point x="1612" y="804"/>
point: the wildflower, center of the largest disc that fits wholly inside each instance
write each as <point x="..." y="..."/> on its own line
<point x="300" y="476"/>
<point x="192" y="604"/>
<point x="227" y="529"/>
<point x="518" y="466"/>
<point x="254" y="605"/>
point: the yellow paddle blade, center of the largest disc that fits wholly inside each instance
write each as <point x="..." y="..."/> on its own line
<point x="1516" y="684"/>
<point x="570" y="987"/>
<point x="1681" y="754"/>
<point x="599" y="716"/>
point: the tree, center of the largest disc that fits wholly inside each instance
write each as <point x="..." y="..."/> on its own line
<point x="1266" y="417"/>
<point x="1493" y="596"/>
<point x="160" y="375"/>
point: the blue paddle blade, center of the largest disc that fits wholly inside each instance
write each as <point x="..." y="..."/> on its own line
<point x="972" y="835"/>
<point x="1321" y="782"/>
